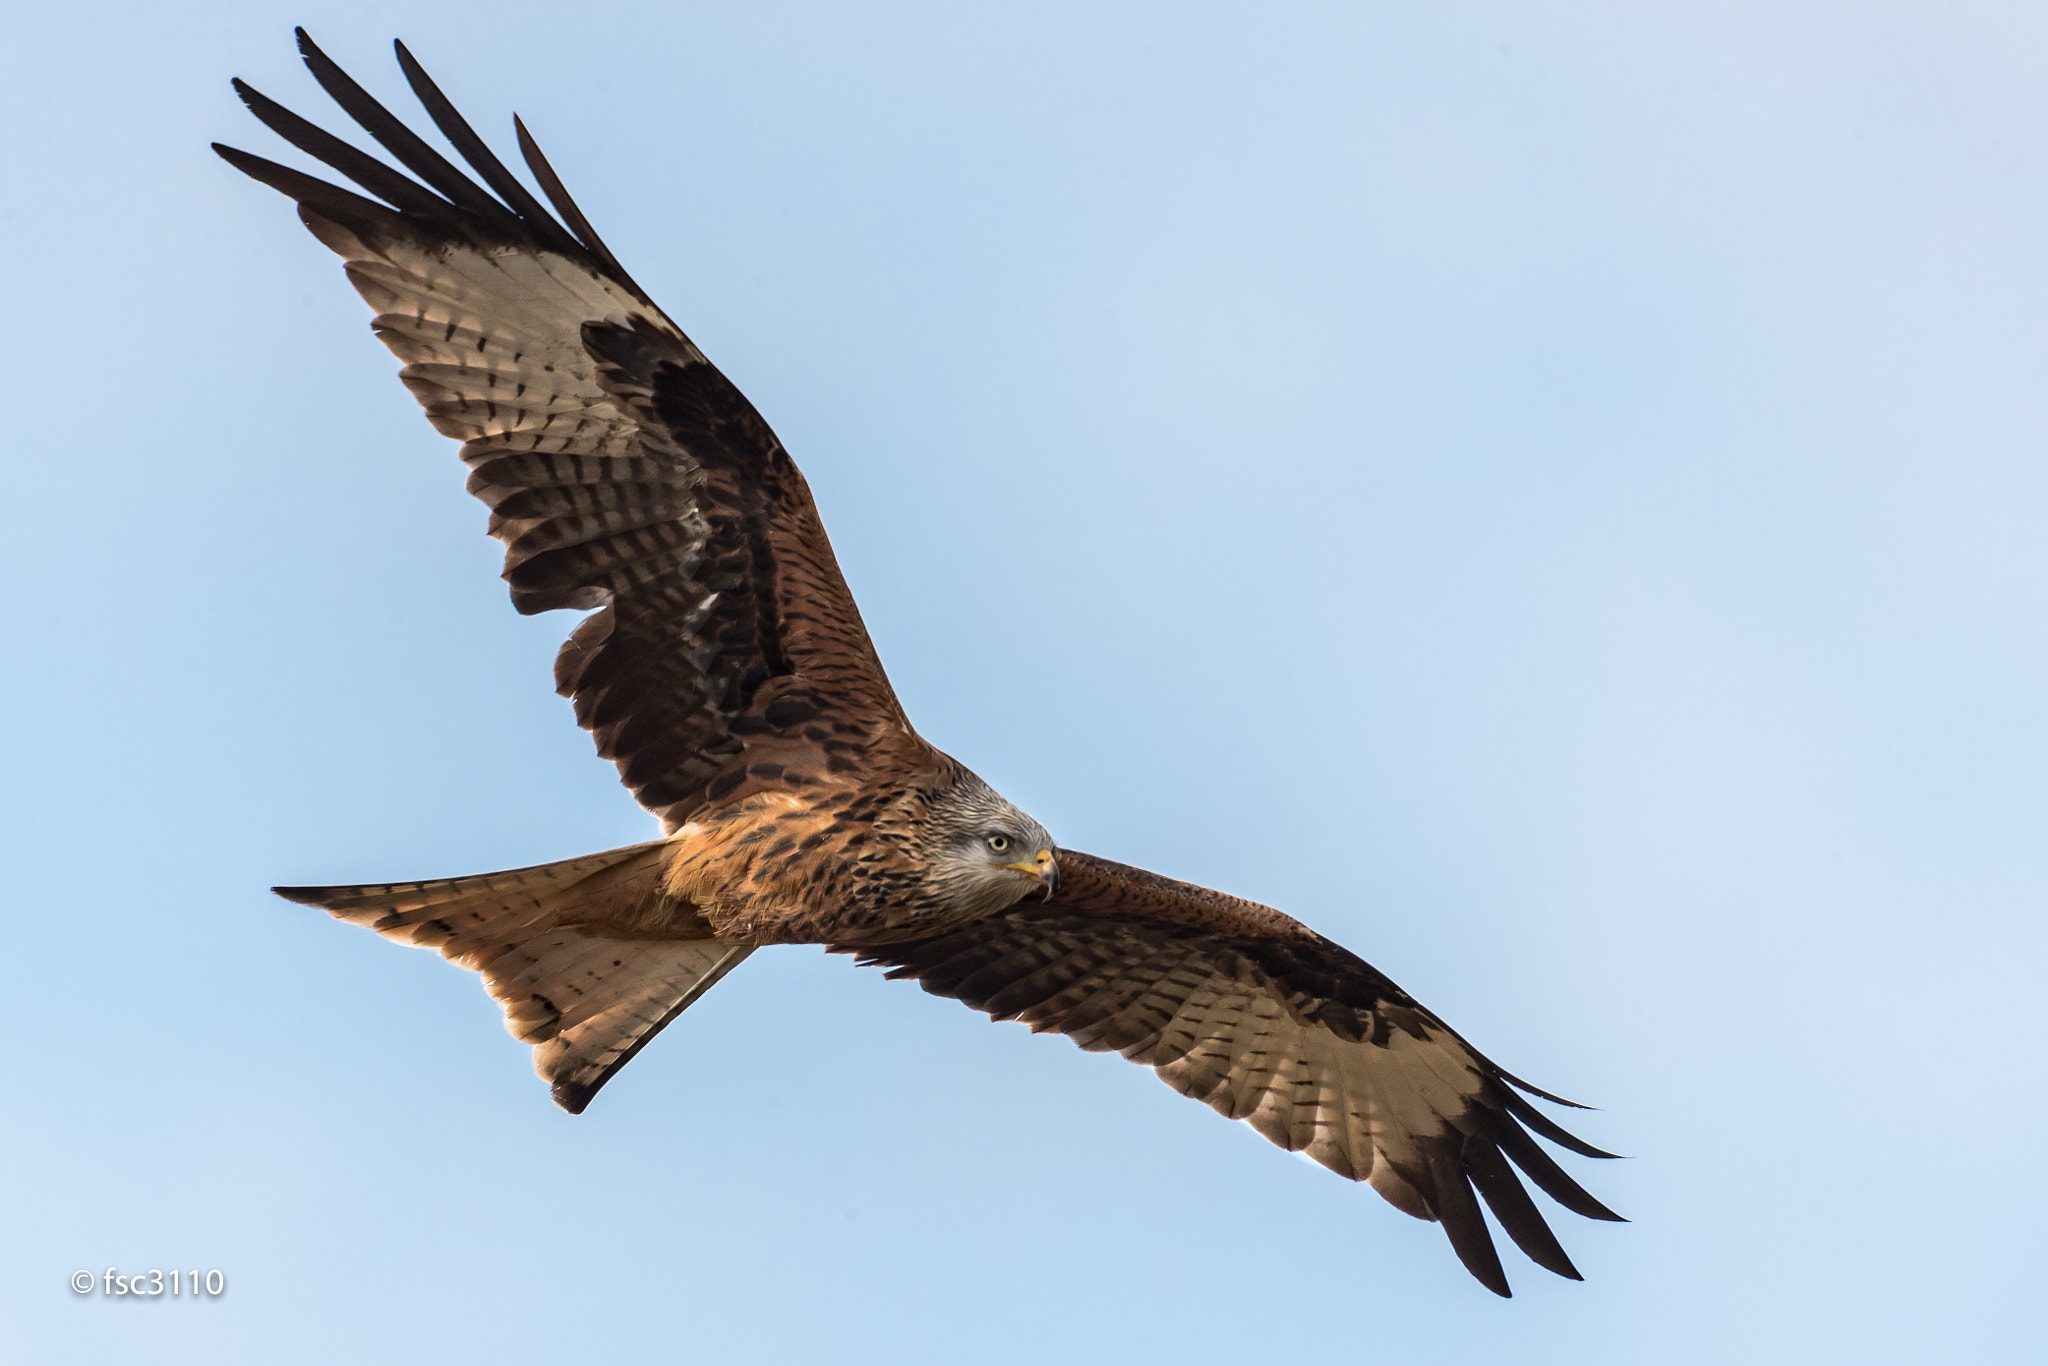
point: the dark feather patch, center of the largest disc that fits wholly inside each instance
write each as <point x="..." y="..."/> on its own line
<point x="558" y="195"/>
<point x="1515" y="1210"/>
<point x="350" y="210"/>
<point x="1554" y="1181"/>
<point x="364" y="169"/>
<point x="1459" y="1213"/>
<point x="390" y="132"/>
<point x="1548" y="1127"/>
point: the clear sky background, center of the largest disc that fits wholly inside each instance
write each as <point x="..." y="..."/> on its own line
<point x="1552" y="495"/>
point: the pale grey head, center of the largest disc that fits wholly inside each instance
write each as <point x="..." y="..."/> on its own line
<point x="983" y="854"/>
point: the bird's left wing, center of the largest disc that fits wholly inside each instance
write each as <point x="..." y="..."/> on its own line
<point x="1249" y="1010"/>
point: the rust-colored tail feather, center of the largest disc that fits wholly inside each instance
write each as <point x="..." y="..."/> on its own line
<point x="556" y="947"/>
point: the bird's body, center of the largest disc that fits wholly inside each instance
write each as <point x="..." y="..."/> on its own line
<point x="725" y="670"/>
<point x="847" y="866"/>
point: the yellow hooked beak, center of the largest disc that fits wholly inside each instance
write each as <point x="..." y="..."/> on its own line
<point x="1044" y="868"/>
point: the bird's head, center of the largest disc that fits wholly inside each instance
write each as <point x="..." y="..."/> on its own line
<point x="984" y="854"/>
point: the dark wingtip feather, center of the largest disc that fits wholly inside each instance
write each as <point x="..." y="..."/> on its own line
<point x="1514" y="1209"/>
<point x="365" y="170"/>
<point x="391" y="133"/>
<point x="1542" y="1168"/>
<point x="480" y="157"/>
<point x="1457" y="1209"/>
<point x="345" y="207"/>
<point x="1549" y="1128"/>
<point x="444" y="182"/>
<point x="305" y="896"/>
<point x="565" y="204"/>
<point x="1538" y="1092"/>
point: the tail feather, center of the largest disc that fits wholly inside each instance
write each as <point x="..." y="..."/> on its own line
<point x="557" y="949"/>
<point x="616" y="1025"/>
<point x="459" y="914"/>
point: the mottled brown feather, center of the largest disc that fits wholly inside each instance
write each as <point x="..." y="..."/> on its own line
<point x="624" y="473"/>
<point x="1255" y="1014"/>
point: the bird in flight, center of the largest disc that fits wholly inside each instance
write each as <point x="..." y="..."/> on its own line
<point x="724" y="668"/>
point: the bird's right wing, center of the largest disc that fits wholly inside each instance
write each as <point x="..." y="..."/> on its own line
<point x="1266" y="1021"/>
<point x="623" y="471"/>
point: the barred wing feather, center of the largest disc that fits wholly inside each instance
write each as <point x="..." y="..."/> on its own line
<point x="624" y="473"/>
<point x="1265" y="1021"/>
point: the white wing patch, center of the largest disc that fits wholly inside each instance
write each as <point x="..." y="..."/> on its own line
<point x="492" y="341"/>
<point x="1350" y="1106"/>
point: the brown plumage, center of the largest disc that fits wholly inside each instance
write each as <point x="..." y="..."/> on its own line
<point x="725" y="670"/>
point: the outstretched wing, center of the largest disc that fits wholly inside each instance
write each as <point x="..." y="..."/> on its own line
<point x="1247" y="1009"/>
<point x="623" y="471"/>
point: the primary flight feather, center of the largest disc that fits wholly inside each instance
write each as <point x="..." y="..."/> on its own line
<point x="725" y="670"/>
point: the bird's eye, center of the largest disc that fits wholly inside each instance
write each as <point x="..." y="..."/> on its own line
<point x="999" y="843"/>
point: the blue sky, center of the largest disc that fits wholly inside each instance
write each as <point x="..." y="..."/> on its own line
<point x="1552" y="495"/>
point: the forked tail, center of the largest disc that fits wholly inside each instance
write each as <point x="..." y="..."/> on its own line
<point x="550" y="946"/>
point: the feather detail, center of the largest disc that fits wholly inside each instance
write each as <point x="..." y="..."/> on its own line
<point x="569" y="950"/>
<point x="1246" y="1010"/>
<point x="626" y="475"/>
